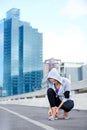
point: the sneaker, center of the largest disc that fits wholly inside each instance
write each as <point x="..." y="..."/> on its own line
<point x="51" y="118"/>
<point x="64" y="117"/>
<point x="56" y="117"/>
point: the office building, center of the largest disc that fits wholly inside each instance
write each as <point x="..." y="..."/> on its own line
<point x="84" y="71"/>
<point x="1" y="50"/>
<point x="72" y="70"/>
<point x="49" y="64"/>
<point x="22" y="55"/>
<point x="30" y="51"/>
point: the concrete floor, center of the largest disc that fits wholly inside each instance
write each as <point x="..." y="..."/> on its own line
<point x="18" y="117"/>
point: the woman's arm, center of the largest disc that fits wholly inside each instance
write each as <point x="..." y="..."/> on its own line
<point x="57" y="109"/>
<point x="60" y="105"/>
<point x="67" y="94"/>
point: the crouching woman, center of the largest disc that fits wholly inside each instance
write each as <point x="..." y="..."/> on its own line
<point x="59" y="96"/>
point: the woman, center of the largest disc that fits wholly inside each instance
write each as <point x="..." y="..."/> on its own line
<point x="58" y="95"/>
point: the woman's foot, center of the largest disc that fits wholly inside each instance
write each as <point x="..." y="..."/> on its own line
<point x="51" y="118"/>
<point x="65" y="113"/>
<point x="52" y="114"/>
<point x="64" y="116"/>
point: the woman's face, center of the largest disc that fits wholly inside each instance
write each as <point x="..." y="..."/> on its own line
<point x="55" y="82"/>
<point x="52" y="80"/>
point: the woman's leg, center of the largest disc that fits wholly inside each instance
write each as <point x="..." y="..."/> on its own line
<point x="53" y="100"/>
<point x="68" y="105"/>
<point x="51" y="97"/>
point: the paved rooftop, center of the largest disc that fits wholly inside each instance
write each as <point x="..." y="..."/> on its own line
<point x="18" y="117"/>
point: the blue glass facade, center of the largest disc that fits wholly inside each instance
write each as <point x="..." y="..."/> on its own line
<point x="1" y="50"/>
<point x="22" y="56"/>
<point x="31" y="53"/>
<point x="7" y="56"/>
<point x="20" y="89"/>
<point x="13" y="13"/>
<point x="11" y="55"/>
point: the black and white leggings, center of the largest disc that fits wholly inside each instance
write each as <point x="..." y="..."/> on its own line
<point x="55" y="101"/>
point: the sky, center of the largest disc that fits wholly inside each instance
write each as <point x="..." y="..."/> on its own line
<point x="62" y="22"/>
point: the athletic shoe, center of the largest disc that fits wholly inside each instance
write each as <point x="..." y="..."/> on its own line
<point x="64" y="117"/>
<point x="56" y="117"/>
<point x="51" y="118"/>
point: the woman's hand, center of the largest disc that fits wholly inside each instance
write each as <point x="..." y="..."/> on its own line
<point x="57" y="111"/>
<point x="50" y="112"/>
<point x="53" y="111"/>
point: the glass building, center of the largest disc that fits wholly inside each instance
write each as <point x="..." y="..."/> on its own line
<point x="1" y="50"/>
<point x="30" y="62"/>
<point x="22" y="55"/>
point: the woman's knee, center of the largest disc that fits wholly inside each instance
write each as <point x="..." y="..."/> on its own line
<point x="68" y="106"/>
<point x="50" y="90"/>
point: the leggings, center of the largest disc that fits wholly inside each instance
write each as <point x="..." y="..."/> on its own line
<point x="55" y="101"/>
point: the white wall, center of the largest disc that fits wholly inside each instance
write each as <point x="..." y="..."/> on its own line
<point x="39" y="98"/>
